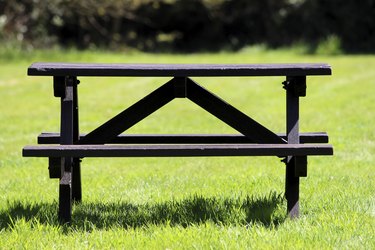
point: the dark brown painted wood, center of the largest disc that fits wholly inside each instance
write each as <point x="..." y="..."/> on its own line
<point x="177" y="150"/>
<point x="311" y="137"/>
<point x="180" y="70"/>
<point x="59" y="86"/>
<point x="54" y="166"/>
<point x="76" y="164"/>
<point x="230" y="115"/>
<point x="67" y="138"/>
<point x="289" y="145"/>
<point x="292" y="127"/>
<point x="67" y="107"/>
<point x="131" y="116"/>
<point x="65" y="198"/>
<point x="66" y="122"/>
<point x="197" y="94"/>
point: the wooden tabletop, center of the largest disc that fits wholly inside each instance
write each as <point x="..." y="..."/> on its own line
<point x="177" y="70"/>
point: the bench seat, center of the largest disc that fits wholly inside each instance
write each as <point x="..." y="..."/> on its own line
<point x="311" y="137"/>
<point x="80" y="151"/>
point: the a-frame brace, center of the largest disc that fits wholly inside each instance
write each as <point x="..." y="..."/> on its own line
<point x="181" y="87"/>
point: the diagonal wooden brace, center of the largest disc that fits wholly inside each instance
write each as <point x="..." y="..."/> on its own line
<point x="132" y="115"/>
<point x="230" y="115"/>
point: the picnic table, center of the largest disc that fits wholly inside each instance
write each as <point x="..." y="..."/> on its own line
<point x="66" y="149"/>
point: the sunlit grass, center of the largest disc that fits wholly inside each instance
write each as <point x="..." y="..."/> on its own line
<point x="191" y="202"/>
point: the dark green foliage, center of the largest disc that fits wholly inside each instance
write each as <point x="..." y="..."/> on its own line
<point x="351" y="21"/>
<point x="188" y="25"/>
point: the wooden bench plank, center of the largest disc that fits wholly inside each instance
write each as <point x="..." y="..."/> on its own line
<point x="177" y="150"/>
<point x="311" y="137"/>
<point x="179" y="70"/>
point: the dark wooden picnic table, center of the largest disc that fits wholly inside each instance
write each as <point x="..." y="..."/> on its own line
<point x="66" y="149"/>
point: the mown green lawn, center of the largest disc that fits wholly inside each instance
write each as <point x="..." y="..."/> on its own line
<point x="185" y="203"/>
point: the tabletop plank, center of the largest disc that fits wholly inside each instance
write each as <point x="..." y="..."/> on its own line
<point x="177" y="70"/>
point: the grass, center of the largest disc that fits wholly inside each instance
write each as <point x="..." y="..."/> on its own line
<point x="185" y="203"/>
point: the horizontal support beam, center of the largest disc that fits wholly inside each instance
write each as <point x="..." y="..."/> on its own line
<point x="312" y="137"/>
<point x="81" y="151"/>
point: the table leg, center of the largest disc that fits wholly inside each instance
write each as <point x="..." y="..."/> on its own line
<point x="76" y="180"/>
<point x="292" y="189"/>
<point x="65" y="198"/>
<point x="76" y="167"/>
<point x="295" y="87"/>
<point x="66" y="131"/>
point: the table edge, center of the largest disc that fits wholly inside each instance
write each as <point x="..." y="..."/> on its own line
<point x="177" y="70"/>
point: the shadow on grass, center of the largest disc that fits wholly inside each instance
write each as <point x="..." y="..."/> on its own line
<point x="267" y="211"/>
